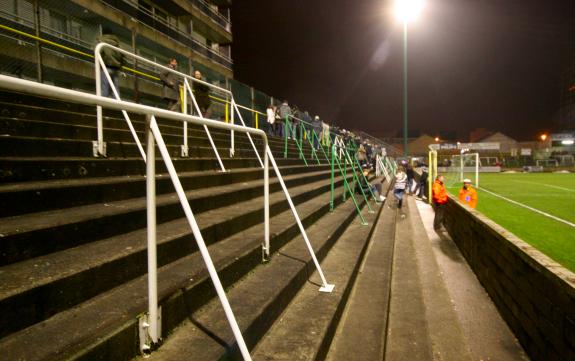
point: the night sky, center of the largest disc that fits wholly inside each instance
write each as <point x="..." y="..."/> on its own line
<point x="493" y="64"/>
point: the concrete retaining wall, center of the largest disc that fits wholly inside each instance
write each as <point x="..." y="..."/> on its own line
<point x="534" y="294"/>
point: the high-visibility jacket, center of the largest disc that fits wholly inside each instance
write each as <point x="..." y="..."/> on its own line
<point x="439" y="192"/>
<point x="468" y="196"/>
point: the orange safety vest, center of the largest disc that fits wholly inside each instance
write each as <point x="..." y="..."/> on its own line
<point x="468" y="196"/>
<point x="439" y="192"/>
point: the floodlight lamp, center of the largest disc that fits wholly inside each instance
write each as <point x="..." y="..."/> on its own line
<point x="407" y="11"/>
<point x="543" y="137"/>
<point x="437" y="139"/>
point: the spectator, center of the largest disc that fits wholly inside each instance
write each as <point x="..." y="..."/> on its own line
<point x="361" y="154"/>
<point x="467" y="194"/>
<point x="279" y="124"/>
<point x="202" y="94"/>
<point x="439" y="197"/>
<point x="367" y="187"/>
<point x="114" y="62"/>
<point x="317" y="129"/>
<point x="271" y="117"/>
<point x="421" y="190"/>
<point x="410" y="178"/>
<point x="325" y="139"/>
<point x="171" y="91"/>
<point x="285" y="114"/>
<point x="399" y="188"/>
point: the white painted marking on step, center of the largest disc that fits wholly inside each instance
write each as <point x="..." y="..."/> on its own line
<point x="547" y="185"/>
<point x="529" y="208"/>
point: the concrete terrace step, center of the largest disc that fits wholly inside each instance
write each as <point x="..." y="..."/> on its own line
<point x="422" y="322"/>
<point x="55" y="147"/>
<point x="68" y="277"/>
<point x="21" y="169"/>
<point x="305" y="329"/>
<point x="33" y="234"/>
<point x="105" y="327"/>
<point x="260" y="297"/>
<point x="17" y="127"/>
<point x="20" y="198"/>
<point x="363" y="325"/>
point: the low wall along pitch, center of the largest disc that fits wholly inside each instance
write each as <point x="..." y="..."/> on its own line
<point x="534" y="294"/>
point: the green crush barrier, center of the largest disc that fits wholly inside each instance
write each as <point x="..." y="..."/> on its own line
<point x="335" y="160"/>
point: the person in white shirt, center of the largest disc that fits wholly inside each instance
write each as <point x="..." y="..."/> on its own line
<point x="399" y="188"/>
<point x="271" y="116"/>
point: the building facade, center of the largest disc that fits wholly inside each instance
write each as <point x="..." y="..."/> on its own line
<point x="52" y="41"/>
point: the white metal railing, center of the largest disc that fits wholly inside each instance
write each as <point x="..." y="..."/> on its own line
<point x="150" y="325"/>
<point x="99" y="66"/>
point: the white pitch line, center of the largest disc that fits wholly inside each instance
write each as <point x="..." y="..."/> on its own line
<point x="530" y="208"/>
<point x="546" y="185"/>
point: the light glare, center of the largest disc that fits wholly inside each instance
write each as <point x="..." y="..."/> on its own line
<point x="407" y="11"/>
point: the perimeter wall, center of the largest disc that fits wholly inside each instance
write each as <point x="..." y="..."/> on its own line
<point x="534" y="294"/>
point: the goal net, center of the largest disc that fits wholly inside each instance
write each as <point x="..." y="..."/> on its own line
<point x="463" y="166"/>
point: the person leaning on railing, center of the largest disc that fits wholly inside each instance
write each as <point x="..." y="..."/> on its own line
<point x="271" y="118"/>
<point x="202" y="94"/>
<point x="113" y="60"/>
<point x="171" y="90"/>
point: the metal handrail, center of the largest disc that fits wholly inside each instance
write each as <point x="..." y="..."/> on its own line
<point x="151" y="324"/>
<point x="100" y="65"/>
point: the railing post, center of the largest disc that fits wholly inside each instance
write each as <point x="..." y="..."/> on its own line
<point x="100" y="149"/>
<point x="326" y="287"/>
<point x="153" y="315"/>
<point x="184" y="97"/>
<point x="200" y="240"/>
<point x="227" y="107"/>
<point x="232" y="145"/>
<point x="266" y="248"/>
<point x="344" y="174"/>
<point x="332" y="194"/>
<point x="286" y="131"/>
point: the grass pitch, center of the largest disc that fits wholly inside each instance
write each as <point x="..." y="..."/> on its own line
<point x="551" y="193"/>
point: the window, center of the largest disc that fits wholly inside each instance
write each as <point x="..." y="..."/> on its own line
<point x="58" y="22"/>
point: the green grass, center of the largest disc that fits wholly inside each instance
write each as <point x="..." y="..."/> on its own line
<point x="548" y="192"/>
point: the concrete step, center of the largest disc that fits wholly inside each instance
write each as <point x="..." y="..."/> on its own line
<point x="21" y="198"/>
<point x="54" y="147"/>
<point x="35" y="234"/>
<point x="363" y="325"/>
<point x="64" y="278"/>
<point x="105" y="326"/>
<point x="23" y="169"/>
<point x="259" y="299"/>
<point x="306" y="327"/>
<point x="423" y="324"/>
<point x="172" y="134"/>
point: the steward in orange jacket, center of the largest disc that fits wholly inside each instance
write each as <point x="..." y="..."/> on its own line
<point x="438" y="191"/>
<point x="439" y="196"/>
<point x="468" y="194"/>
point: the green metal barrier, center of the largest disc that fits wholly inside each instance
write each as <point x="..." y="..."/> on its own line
<point x="335" y="160"/>
<point x="287" y="135"/>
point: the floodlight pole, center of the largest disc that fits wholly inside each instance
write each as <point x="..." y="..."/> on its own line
<point x="405" y="151"/>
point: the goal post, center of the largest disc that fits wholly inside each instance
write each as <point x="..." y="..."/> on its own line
<point x="465" y="165"/>
<point x="432" y="174"/>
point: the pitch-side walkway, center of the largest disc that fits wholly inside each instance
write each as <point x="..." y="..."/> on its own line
<point x="436" y="308"/>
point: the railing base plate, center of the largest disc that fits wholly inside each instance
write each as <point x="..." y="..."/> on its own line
<point x="327" y="288"/>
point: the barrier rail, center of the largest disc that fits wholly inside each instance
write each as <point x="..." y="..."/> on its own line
<point x="150" y="324"/>
<point x="100" y="65"/>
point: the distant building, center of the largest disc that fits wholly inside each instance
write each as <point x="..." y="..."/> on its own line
<point x="420" y="145"/>
<point x="478" y="134"/>
<point x="506" y="143"/>
<point x="196" y="32"/>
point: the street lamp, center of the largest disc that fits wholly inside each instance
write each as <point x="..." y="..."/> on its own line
<point x="406" y="11"/>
